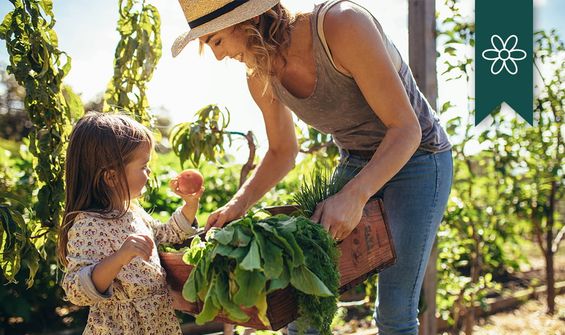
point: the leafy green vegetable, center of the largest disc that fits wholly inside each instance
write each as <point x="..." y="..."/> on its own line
<point x="250" y="284"/>
<point x="252" y="261"/>
<point x="307" y="282"/>
<point x="243" y="262"/>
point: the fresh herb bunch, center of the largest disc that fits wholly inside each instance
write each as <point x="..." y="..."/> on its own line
<point x="322" y="185"/>
<point x="322" y="256"/>
<point x="242" y="263"/>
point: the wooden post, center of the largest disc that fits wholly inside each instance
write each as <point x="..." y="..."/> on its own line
<point x="422" y="53"/>
<point x="422" y="46"/>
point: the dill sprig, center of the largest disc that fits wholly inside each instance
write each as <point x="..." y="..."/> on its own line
<point x="321" y="185"/>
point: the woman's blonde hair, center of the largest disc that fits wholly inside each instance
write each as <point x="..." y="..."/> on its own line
<point x="100" y="145"/>
<point x="268" y="37"/>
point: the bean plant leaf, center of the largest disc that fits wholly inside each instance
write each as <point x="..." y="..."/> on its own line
<point x="204" y="136"/>
<point x="40" y="67"/>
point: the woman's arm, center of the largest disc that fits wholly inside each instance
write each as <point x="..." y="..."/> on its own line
<point x="359" y="50"/>
<point x="278" y="161"/>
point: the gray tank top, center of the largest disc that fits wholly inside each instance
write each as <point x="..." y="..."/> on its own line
<point x="338" y="107"/>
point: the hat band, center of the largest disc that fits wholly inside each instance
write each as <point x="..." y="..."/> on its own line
<point x="218" y="12"/>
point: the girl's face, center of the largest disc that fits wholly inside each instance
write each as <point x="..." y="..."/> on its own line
<point x="230" y="42"/>
<point x="137" y="171"/>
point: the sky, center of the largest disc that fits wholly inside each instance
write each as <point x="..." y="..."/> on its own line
<point x="180" y="86"/>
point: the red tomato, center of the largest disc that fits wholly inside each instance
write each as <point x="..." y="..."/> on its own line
<point x="190" y="181"/>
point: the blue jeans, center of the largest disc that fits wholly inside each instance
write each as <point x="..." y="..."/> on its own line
<point x="414" y="200"/>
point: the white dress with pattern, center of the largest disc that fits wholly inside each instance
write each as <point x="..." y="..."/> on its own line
<point x="138" y="301"/>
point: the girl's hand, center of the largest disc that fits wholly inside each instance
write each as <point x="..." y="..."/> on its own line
<point x="232" y="210"/>
<point x="190" y="199"/>
<point x="339" y="214"/>
<point x="135" y="245"/>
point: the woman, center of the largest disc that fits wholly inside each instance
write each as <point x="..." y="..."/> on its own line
<point x="337" y="71"/>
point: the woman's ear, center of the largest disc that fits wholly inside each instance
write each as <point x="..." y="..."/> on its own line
<point x="256" y="19"/>
<point x="110" y="178"/>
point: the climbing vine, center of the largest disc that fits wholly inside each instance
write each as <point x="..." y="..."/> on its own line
<point x="39" y="66"/>
<point x="136" y="58"/>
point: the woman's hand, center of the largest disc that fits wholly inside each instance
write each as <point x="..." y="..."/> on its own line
<point x="135" y="245"/>
<point x="232" y="210"/>
<point x="339" y="214"/>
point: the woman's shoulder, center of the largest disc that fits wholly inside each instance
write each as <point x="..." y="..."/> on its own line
<point x="350" y="31"/>
<point x="344" y="16"/>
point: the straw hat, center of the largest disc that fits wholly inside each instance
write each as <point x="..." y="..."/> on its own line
<point x="208" y="16"/>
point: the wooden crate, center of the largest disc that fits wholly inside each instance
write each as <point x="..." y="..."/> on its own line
<point x="367" y="250"/>
<point x="281" y="308"/>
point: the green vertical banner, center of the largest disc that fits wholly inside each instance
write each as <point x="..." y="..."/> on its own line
<point x="504" y="57"/>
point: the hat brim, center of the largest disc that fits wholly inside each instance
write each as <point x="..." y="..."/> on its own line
<point x="247" y="11"/>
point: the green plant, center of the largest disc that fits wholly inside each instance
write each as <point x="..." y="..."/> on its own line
<point x="322" y="185"/>
<point x="249" y="258"/>
<point x="480" y="239"/>
<point x="536" y="157"/>
<point x="39" y="66"/>
<point x="136" y="57"/>
<point x="202" y="137"/>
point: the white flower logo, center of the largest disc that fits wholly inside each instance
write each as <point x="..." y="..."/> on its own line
<point x="505" y="54"/>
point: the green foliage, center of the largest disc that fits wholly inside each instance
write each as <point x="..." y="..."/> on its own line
<point x="40" y="308"/>
<point x="16" y="243"/>
<point x="136" y="57"/>
<point x="321" y="255"/>
<point x="322" y="185"/>
<point x="202" y="137"/>
<point x="316" y="143"/>
<point x="504" y="173"/>
<point x="536" y="154"/>
<point x="249" y="258"/>
<point x="39" y="66"/>
<point x="25" y="308"/>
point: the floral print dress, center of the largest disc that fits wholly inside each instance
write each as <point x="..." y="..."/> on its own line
<point x="138" y="301"/>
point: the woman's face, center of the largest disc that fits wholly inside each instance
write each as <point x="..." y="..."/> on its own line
<point x="230" y="42"/>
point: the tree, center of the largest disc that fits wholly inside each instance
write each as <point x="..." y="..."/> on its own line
<point x="537" y="156"/>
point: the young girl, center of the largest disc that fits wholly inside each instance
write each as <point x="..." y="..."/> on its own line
<point x="107" y="241"/>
